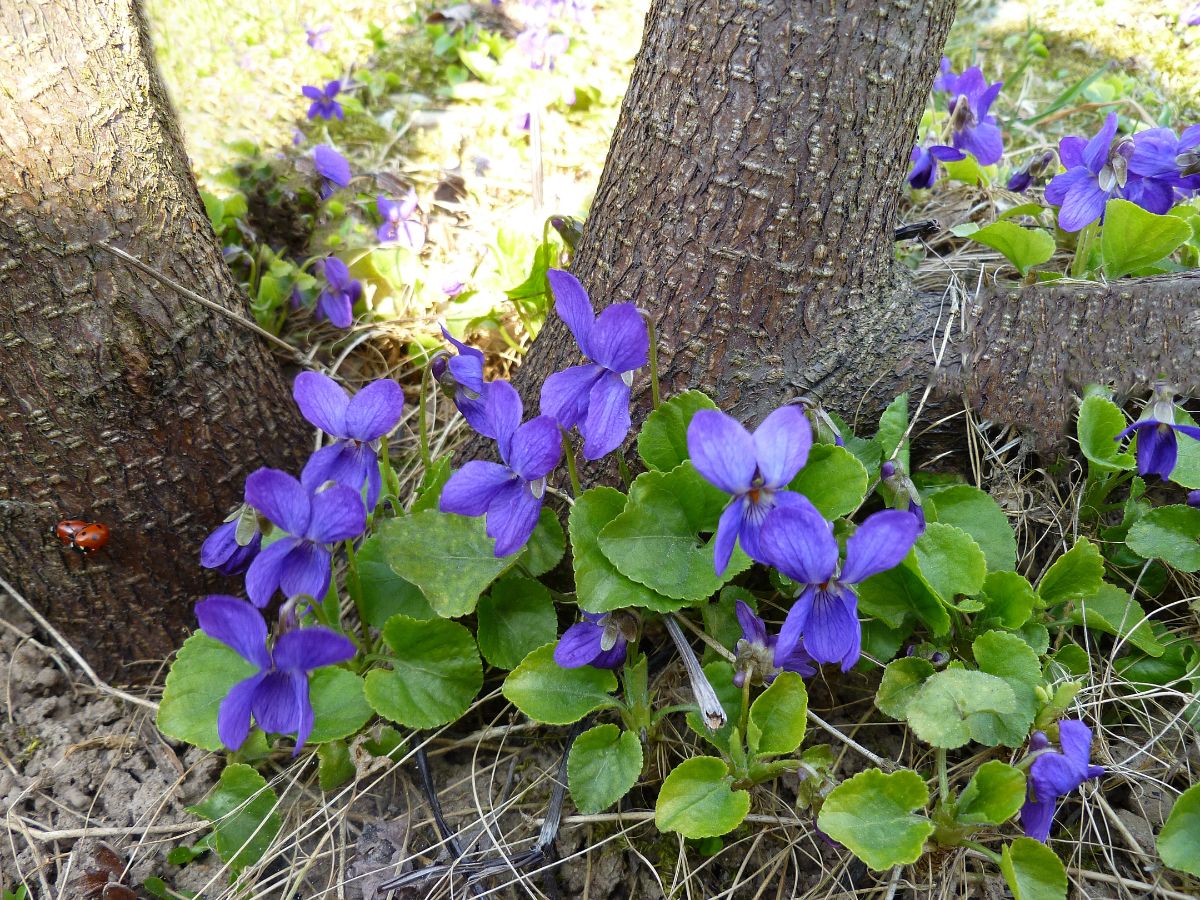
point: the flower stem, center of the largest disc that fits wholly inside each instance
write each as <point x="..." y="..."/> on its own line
<point x="943" y="778"/>
<point x="391" y="483"/>
<point x="655" y="397"/>
<point x="354" y="585"/>
<point x="422" y="424"/>
<point x="1083" y="251"/>
<point x="979" y="848"/>
<point x="744" y="715"/>
<point x="569" y="453"/>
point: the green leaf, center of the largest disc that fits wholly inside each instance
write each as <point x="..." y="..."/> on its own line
<point x="1023" y="247"/>
<point x="892" y="595"/>
<point x="1100" y="421"/>
<point x="1033" y="871"/>
<point x="241" y="807"/>
<point x="892" y="425"/>
<point x="450" y="558"/>
<point x="340" y="706"/>
<point x="720" y="675"/>
<point x="976" y="513"/>
<point x="1179" y="840"/>
<point x="1077" y="573"/>
<point x="1169" y="533"/>
<point x="383" y="593"/>
<point x="656" y="540"/>
<point x="1133" y="237"/>
<point x="958" y="705"/>
<point x="994" y="794"/>
<point x="1007" y="656"/>
<point x="604" y="764"/>
<point x="515" y="619"/>
<point x="547" y="545"/>
<point x="435" y="673"/>
<point x="950" y="561"/>
<point x="548" y="693"/>
<point x="599" y="587"/>
<point x="833" y="479"/>
<point x="335" y="767"/>
<point x="875" y="816"/>
<point x="432" y="482"/>
<point x="1113" y="611"/>
<point x="779" y="716"/>
<point x="204" y="671"/>
<point x="902" y="681"/>
<point x="1008" y="598"/>
<point x="662" y="443"/>
<point x="696" y="800"/>
<point x="1187" y="467"/>
<point x="968" y="171"/>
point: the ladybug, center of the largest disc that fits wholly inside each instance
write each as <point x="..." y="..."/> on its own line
<point x="86" y="537"/>
<point x="66" y="530"/>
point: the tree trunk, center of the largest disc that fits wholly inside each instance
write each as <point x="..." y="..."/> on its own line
<point x="748" y="203"/>
<point x="123" y="401"/>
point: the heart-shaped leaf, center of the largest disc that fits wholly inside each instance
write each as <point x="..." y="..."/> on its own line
<point x="1023" y="247"/>
<point x="662" y="443"/>
<point x="1179" y="840"/>
<point x="514" y="619"/>
<point x="204" y="671"/>
<point x="957" y="706"/>
<point x="546" y="692"/>
<point x="1169" y="533"/>
<point x="779" y="716"/>
<point x="833" y="480"/>
<point x="1133" y="238"/>
<point x="976" y="513"/>
<point x="697" y="799"/>
<point x="1033" y="871"/>
<point x="241" y="807"/>
<point x="603" y="765"/>
<point x="875" y="816"/>
<point x="435" y="673"/>
<point x="994" y="794"/>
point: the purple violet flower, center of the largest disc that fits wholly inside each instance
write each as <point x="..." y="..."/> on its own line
<point x="757" y="651"/>
<point x="596" y="396"/>
<point x="277" y="695"/>
<point x="323" y="104"/>
<point x="356" y="422"/>
<point x="470" y="390"/>
<point x="1032" y="173"/>
<point x="1097" y="171"/>
<point x="510" y="495"/>
<point x="924" y="172"/>
<point x="1157" y="446"/>
<point x="1193" y="499"/>
<point x="222" y="552"/>
<point x="336" y="301"/>
<point x="333" y="169"/>
<point x="299" y="563"/>
<point x="400" y="224"/>
<point x="542" y="46"/>
<point x="947" y="80"/>
<point x="1053" y="775"/>
<point x="1192" y="16"/>
<point x="596" y="641"/>
<point x="315" y="37"/>
<point x="1171" y="163"/>
<point x="755" y="469"/>
<point x="972" y="128"/>
<point x="800" y="543"/>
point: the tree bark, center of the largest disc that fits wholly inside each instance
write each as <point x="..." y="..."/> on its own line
<point x="748" y="203"/>
<point x="123" y="401"/>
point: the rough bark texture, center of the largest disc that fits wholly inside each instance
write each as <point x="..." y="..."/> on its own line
<point x="748" y="203"/>
<point x="122" y="401"/>
<point x="749" y="196"/>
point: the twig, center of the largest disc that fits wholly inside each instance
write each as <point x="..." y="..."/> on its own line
<point x="850" y="742"/>
<point x="95" y="679"/>
<point x="1150" y="889"/>
<point x="203" y="301"/>
<point x="66" y="834"/>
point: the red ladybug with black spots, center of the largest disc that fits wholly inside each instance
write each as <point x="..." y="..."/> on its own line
<point x="86" y="537"/>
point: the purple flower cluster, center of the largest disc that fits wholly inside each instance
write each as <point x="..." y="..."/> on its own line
<point x="971" y="128"/>
<point x="311" y="515"/>
<point x="596" y="641"/>
<point x="537" y="40"/>
<point x="1053" y="774"/>
<point x="783" y="529"/>
<point x="758" y="655"/>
